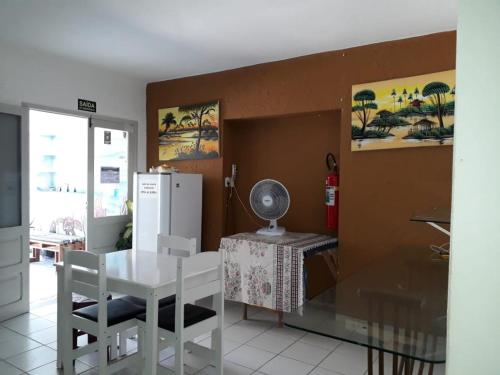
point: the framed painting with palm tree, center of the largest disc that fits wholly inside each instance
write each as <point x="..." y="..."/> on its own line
<point x="189" y="132"/>
<point x="406" y="112"/>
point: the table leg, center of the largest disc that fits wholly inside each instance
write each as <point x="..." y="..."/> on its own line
<point x="280" y="319"/>
<point x="151" y="336"/>
<point x="245" y="311"/>
<point x="381" y="362"/>
<point x="35" y="254"/>
<point x="60" y="314"/>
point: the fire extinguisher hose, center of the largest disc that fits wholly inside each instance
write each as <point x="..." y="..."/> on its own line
<point x="331" y="162"/>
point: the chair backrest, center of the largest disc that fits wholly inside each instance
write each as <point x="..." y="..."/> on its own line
<point x="175" y="245"/>
<point x="396" y="312"/>
<point x="193" y="288"/>
<point x="85" y="274"/>
<point x="199" y="276"/>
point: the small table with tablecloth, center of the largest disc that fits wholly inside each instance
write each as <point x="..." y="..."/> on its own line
<point x="268" y="271"/>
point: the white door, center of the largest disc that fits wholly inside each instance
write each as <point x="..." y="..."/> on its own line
<point x="112" y="156"/>
<point x="14" y="215"/>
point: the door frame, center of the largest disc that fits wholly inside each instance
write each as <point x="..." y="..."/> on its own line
<point x="121" y="125"/>
<point x="132" y="128"/>
<point x="21" y="306"/>
<point x="78" y="113"/>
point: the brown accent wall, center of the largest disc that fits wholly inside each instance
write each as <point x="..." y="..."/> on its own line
<point x="379" y="189"/>
<point x="290" y="149"/>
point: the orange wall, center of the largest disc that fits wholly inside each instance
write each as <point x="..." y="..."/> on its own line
<point x="379" y="189"/>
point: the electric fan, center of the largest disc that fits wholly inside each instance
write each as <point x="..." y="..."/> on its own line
<point x="270" y="200"/>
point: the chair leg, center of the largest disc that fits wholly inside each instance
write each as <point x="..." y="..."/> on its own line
<point x="179" y="358"/>
<point x="68" y="352"/>
<point x="123" y="343"/>
<point x="401" y="365"/>
<point x="75" y="341"/>
<point x="407" y="366"/>
<point x="218" y="350"/>
<point x="123" y="339"/>
<point x="68" y="368"/>
<point x="103" y="356"/>
<point x="140" y="343"/>
<point x="75" y="338"/>
<point x="421" y="368"/>
<point x="369" y="361"/>
<point x="114" y="347"/>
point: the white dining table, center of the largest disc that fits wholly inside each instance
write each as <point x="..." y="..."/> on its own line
<point x="143" y="274"/>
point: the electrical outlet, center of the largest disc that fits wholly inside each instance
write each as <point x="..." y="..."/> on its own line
<point x="227" y="182"/>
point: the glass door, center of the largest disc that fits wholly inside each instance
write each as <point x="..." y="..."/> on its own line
<point x="14" y="215"/>
<point x="111" y="160"/>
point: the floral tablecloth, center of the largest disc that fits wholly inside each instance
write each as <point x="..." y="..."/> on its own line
<point x="268" y="271"/>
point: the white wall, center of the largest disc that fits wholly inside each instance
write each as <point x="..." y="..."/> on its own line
<point x="40" y="78"/>
<point x="474" y="290"/>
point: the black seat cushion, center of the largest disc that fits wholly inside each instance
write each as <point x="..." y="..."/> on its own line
<point x="192" y="314"/>
<point x="142" y="302"/>
<point x="80" y="301"/>
<point x="118" y="311"/>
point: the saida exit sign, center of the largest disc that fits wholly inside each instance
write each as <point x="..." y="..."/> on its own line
<point x="87" y="105"/>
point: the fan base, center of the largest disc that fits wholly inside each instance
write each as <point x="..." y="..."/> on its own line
<point x="276" y="231"/>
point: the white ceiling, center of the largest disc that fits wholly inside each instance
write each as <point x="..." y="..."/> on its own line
<point x="164" y="39"/>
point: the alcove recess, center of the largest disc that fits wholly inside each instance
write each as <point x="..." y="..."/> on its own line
<point x="290" y="148"/>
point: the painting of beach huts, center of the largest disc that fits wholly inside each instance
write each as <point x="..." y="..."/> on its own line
<point x="189" y="132"/>
<point x="407" y="112"/>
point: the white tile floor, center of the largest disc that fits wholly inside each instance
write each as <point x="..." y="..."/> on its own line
<point x="43" y="280"/>
<point x="255" y="346"/>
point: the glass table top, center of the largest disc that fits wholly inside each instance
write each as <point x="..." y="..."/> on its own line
<point x="435" y="215"/>
<point x="397" y="304"/>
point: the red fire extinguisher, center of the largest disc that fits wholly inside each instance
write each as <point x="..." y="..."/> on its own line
<point x="332" y="193"/>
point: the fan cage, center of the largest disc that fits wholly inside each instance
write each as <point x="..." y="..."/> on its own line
<point x="279" y="195"/>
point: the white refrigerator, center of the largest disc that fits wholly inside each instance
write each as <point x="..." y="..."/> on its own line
<point x="167" y="203"/>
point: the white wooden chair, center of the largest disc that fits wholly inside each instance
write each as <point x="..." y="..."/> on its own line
<point x="180" y="323"/>
<point x="85" y="274"/>
<point x="175" y="245"/>
<point x="165" y="243"/>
